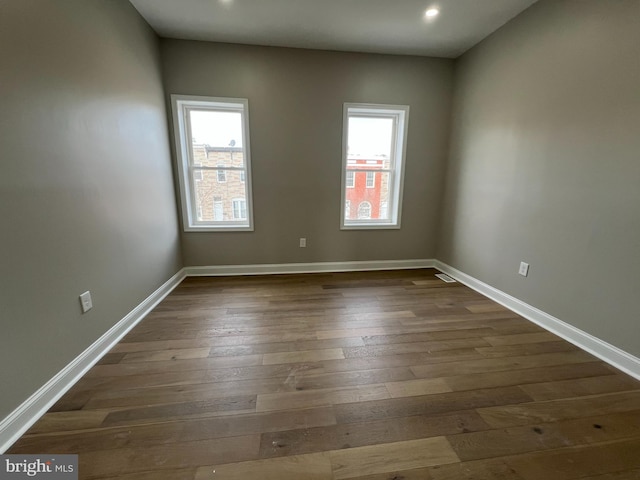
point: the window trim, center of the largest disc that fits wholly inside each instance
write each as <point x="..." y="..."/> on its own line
<point x="396" y="173"/>
<point x="179" y="104"/>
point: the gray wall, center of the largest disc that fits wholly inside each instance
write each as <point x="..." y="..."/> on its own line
<point x="545" y="164"/>
<point x="86" y="188"/>
<point x="295" y="110"/>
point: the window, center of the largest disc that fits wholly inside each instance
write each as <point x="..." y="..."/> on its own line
<point x="364" y="210"/>
<point x="212" y="146"/>
<point x="351" y="179"/>
<point x="239" y="209"/>
<point x="347" y="208"/>
<point x="373" y="146"/>
<point x="371" y="179"/>
<point x="222" y="174"/>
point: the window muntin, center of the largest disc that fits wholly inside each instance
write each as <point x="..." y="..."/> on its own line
<point x="214" y="164"/>
<point x="374" y="145"/>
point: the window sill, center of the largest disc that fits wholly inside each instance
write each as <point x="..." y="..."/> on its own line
<point x="371" y="226"/>
<point x="209" y="228"/>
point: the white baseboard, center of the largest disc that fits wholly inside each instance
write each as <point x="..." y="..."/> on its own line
<point x="19" y="421"/>
<point x="280" y="268"/>
<point x="601" y="349"/>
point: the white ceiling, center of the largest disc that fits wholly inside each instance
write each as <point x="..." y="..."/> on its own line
<point x="381" y="26"/>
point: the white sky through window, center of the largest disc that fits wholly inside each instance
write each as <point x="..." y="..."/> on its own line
<point x="370" y="137"/>
<point x="217" y="129"/>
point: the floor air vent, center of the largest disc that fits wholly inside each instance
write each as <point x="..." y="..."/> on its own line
<point x="445" y="278"/>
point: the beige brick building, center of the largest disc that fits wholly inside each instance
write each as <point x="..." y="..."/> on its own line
<point x="220" y="185"/>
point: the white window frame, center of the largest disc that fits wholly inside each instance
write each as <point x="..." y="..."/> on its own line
<point x="400" y="115"/>
<point x="181" y="105"/>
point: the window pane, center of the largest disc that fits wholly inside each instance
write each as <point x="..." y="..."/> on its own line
<point x="216" y="138"/>
<point x="210" y="156"/>
<point x="377" y="198"/>
<point x="370" y="138"/>
<point x="215" y="200"/>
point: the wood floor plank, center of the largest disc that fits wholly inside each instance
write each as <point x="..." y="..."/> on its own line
<point x="401" y="360"/>
<point x="526" y="349"/>
<point x="414" y="388"/>
<point x="75" y="420"/>
<point x="429" y="404"/>
<point x="104" y="463"/>
<point x="154" y="413"/>
<point x="167" y="432"/>
<point x="157" y="356"/>
<point x="311" y="467"/>
<point x="501" y="364"/>
<point x="578" y="462"/>
<point x="557" y="410"/>
<point x="489" y="469"/>
<point x="386" y="430"/>
<point x="486" y="307"/>
<point x="623" y="475"/>
<point x="303" y="345"/>
<point x="579" y="387"/>
<point x="428" y="336"/>
<point x="546" y="436"/>
<point x="522" y="338"/>
<point x="126" y="369"/>
<point x="170" y="474"/>
<point x="411" y="454"/>
<point x="417" y="347"/>
<point x="328" y="396"/>
<point x="351" y="378"/>
<point x="303" y="356"/>
<point x="527" y="375"/>
<point x="411" y="474"/>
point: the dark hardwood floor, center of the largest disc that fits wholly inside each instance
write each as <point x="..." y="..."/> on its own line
<point x="368" y="376"/>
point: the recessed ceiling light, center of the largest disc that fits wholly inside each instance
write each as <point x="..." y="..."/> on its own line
<point x="432" y="12"/>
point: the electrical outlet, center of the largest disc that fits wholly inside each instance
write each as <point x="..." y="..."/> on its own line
<point x="303" y="242"/>
<point x="86" y="302"/>
<point x="524" y="269"/>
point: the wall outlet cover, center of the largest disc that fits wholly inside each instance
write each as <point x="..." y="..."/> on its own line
<point x="86" y="302"/>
